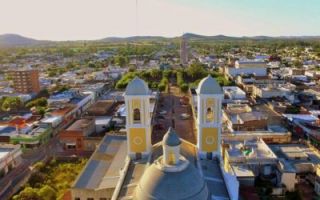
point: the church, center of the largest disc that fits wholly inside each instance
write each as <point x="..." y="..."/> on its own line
<point x="131" y="168"/>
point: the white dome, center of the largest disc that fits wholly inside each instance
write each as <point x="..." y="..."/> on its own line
<point x="209" y="85"/>
<point x="137" y="87"/>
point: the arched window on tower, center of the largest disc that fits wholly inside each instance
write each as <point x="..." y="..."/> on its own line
<point x="209" y="115"/>
<point x="136" y="116"/>
<point x="172" y="158"/>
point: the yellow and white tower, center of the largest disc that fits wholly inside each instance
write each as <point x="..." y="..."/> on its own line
<point x="209" y="115"/>
<point x="138" y="119"/>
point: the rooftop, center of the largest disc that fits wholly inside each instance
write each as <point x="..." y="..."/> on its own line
<point x="102" y="170"/>
<point x="80" y="124"/>
<point x="209" y="168"/>
<point x="6" y="149"/>
<point x="297" y="158"/>
<point x="100" y="107"/>
<point x="249" y="149"/>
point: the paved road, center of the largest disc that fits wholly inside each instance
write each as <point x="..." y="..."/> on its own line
<point x="171" y="104"/>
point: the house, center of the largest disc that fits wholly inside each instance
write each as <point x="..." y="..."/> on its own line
<point x="249" y="159"/>
<point x="247" y="67"/>
<point x="10" y="157"/>
<point x="234" y="94"/>
<point x="73" y="137"/>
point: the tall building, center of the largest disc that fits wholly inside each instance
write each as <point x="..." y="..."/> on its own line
<point x="183" y="51"/>
<point x="124" y="168"/>
<point x="25" y="80"/>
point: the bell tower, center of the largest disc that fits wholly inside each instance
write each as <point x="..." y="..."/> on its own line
<point x="138" y="119"/>
<point x="209" y="115"/>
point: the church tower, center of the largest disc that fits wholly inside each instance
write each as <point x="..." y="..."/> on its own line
<point x="209" y="118"/>
<point x="138" y="119"/>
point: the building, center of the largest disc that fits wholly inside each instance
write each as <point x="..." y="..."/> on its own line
<point x="234" y="94"/>
<point x="26" y="131"/>
<point x="73" y="138"/>
<point x="10" y="157"/>
<point x="25" y="80"/>
<point x="101" y="108"/>
<point x="183" y="51"/>
<point x="270" y="91"/>
<point x="247" y="67"/>
<point x="170" y="169"/>
<point x="248" y="159"/>
<point x="297" y="163"/>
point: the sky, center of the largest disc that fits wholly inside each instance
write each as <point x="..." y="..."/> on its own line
<point x="96" y="19"/>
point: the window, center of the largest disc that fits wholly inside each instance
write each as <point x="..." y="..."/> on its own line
<point x="209" y="116"/>
<point x="103" y="198"/>
<point x="77" y="198"/>
<point x="90" y="198"/>
<point x="136" y="116"/>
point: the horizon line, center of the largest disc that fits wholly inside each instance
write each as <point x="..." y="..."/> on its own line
<point x="166" y="37"/>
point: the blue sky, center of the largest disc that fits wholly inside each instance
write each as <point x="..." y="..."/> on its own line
<point x="94" y="19"/>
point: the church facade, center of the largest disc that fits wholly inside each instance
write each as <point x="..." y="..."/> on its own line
<point x="171" y="169"/>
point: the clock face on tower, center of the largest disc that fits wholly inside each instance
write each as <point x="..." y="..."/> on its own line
<point x="209" y="139"/>
<point x="137" y="140"/>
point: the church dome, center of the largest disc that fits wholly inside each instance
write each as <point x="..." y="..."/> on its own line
<point x="209" y="85"/>
<point x="161" y="184"/>
<point x="137" y="87"/>
<point x="171" y="138"/>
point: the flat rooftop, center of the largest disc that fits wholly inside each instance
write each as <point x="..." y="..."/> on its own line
<point x="297" y="158"/>
<point x="249" y="149"/>
<point x="80" y="124"/>
<point x="101" y="107"/>
<point x="7" y="130"/>
<point x="102" y="169"/>
<point x="213" y="176"/>
<point x="4" y="152"/>
<point x="6" y="149"/>
<point x="242" y="171"/>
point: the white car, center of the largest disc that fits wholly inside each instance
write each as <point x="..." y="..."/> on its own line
<point x="185" y="116"/>
<point x="163" y="112"/>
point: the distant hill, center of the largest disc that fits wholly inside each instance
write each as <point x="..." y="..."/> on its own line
<point x="12" y="40"/>
<point x="133" y="39"/>
<point x="192" y="36"/>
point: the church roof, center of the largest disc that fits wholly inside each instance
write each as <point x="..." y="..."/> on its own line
<point x="209" y="85"/>
<point x="215" y="183"/>
<point x="137" y="87"/>
<point x="171" y="138"/>
<point x="157" y="184"/>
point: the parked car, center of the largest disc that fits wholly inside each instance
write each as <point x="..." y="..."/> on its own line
<point x="185" y="116"/>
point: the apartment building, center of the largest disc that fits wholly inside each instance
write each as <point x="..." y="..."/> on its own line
<point x="25" y="80"/>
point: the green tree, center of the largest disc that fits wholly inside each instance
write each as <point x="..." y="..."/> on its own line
<point x="43" y="93"/>
<point x="196" y="71"/>
<point x="184" y="88"/>
<point x="91" y="65"/>
<point x="121" y="61"/>
<point x="11" y="103"/>
<point x="27" y="193"/>
<point x="40" y="102"/>
<point x="47" y="193"/>
<point x="155" y="73"/>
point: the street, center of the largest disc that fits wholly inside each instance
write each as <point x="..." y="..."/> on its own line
<point x="170" y="103"/>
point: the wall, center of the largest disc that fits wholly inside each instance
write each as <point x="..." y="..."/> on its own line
<point x="289" y="180"/>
